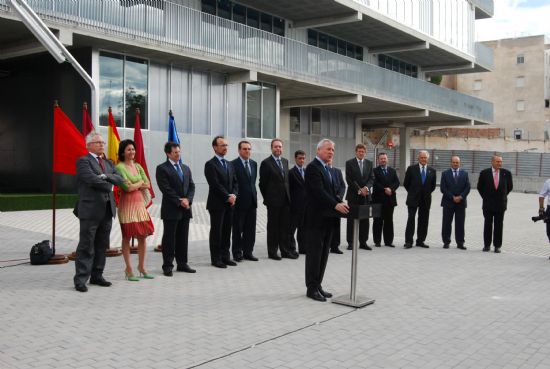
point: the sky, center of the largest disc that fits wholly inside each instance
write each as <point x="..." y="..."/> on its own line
<point x="515" y="18"/>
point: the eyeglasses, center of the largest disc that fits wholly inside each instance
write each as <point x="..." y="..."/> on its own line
<point x="98" y="142"/>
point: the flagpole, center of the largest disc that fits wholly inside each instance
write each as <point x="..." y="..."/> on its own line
<point x="56" y="258"/>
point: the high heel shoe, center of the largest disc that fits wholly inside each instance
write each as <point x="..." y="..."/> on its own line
<point x="143" y="274"/>
<point x="130" y="277"/>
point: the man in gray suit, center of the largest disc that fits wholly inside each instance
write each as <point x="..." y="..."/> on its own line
<point x="96" y="209"/>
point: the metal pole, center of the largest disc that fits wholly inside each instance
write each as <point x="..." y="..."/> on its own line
<point x="354" y="252"/>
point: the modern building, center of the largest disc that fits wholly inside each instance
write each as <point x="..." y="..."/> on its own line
<point x="519" y="86"/>
<point x="255" y="69"/>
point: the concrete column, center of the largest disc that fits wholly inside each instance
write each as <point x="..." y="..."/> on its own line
<point x="404" y="151"/>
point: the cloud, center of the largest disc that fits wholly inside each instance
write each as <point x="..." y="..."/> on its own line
<point x="515" y="18"/>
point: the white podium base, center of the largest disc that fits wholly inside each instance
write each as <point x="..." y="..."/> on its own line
<point x="359" y="301"/>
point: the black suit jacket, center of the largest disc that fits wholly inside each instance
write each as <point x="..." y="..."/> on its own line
<point x="354" y="179"/>
<point x="320" y="197"/>
<point x="221" y="183"/>
<point x="449" y="188"/>
<point x="274" y="185"/>
<point x="494" y="199"/>
<point x="382" y="181"/>
<point x="93" y="192"/>
<point x="417" y="193"/>
<point x="297" y="191"/>
<point x="338" y="183"/>
<point x="248" y="196"/>
<point x="173" y="189"/>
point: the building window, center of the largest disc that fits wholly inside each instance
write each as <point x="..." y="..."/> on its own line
<point x="335" y="45"/>
<point x="520" y="59"/>
<point x="520" y="81"/>
<point x="315" y="121"/>
<point x="520" y="105"/>
<point x="123" y="82"/>
<point x="261" y="108"/>
<point x="518" y="133"/>
<point x="295" y="120"/>
<point x="477" y="85"/>
<point x="227" y="9"/>
<point x="397" y="65"/>
<point x="547" y="103"/>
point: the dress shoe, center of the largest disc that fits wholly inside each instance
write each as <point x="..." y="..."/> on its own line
<point x="229" y="262"/>
<point x="81" y="288"/>
<point x="316" y="295"/>
<point x="185" y="268"/>
<point x="100" y="282"/>
<point x="350" y="247"/>
<point x="486" y="249"/>
<point x="377" y="244"/>
<point x="289" y="256"/>
<point x="497" y="250"/>
<point x="390" y="245"/>
<point x="250" y="257"/>
<point x="275" y="257"/>
<point x="336" y="251"/>
<point x="168" y="273"/>
<point x="407" y="245"/>
<point x="365" y="247"/>
<point x="422" y="244"/>
<point x="445" y="245"/>
<point x="302" y="252"/>
<point x="238" y="259"/>
<point x="219" y="264"/>
<point x="461" y="247"/>
<point x="325" y="294"/>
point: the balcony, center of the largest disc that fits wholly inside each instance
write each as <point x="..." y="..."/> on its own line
<point x="484" y="8"/>
<point x="165" y="27"/>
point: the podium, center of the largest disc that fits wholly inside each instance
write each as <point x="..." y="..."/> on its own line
<point x="357" y="213"/>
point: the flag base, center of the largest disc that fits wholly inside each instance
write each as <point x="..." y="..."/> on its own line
<point x="58" y="259"/>
<point x="158" y="248"/>
<point x="112" y="252"/>
<point x="72" y="256"/>
<point x="133" y="250"/>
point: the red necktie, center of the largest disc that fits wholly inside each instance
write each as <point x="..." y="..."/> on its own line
<point x="101" y="163"/>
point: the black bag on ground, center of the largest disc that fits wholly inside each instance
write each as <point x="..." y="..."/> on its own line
<point x="41" y="253"/>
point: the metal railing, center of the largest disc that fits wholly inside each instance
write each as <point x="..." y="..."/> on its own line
<point x="449" y="21"/>
<point x="181" y="29"/>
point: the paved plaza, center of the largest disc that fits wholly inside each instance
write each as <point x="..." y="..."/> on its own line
<point x="434" y="308"/>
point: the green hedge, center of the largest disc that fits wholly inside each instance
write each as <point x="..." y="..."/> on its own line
<point x="35" y="201"/>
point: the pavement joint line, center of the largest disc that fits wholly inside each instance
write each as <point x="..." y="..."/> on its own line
<point x="268" y="340"/>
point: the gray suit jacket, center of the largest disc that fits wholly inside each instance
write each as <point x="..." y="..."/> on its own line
<point x="94" y="192"/>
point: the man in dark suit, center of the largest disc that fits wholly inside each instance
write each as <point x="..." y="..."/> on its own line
<point x="322" y="206"/>
<point x="455" y="187"/>
<point x="385" y="184"/>
<point x="420" y="183"/>
<point x="359" y="178"/>
<point x="297" y="202"/>
<point x="95" y="209"/>
<point x="276" y="193"/>
<point x="178" y="189"/>
<point x="244" y="217"/>
<point x="340" y="189"/>
<point x="494" y="185"/>
<point x="222" y="194"/>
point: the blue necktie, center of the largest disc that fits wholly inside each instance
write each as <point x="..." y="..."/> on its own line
<point x="280" y="167"/>
<point x="384" y="171"/>
<point x="224" y="164"/>
<point x="423" y="174"/>
<point x="247" y="168"/>
<point x="180" y="173"/>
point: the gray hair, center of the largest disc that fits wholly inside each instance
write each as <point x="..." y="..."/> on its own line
<point x="323" y="142"/>
<point x="90" y="137"/>
<point x="424" y="152"/>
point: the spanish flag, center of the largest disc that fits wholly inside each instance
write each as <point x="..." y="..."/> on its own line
<point x="113" y="139"/>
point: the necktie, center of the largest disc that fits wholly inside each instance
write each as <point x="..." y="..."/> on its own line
<point x="224" y="164"/>
<point x="328" y="173"/>
<point x="180" y="173"/>
<point x="495" y="178"/>
<point x="361" y="166"/>
<point x="302" y="172"/>
<point x="423" y="174"/>
<point x="101" y="163"/>
<point x="280" y="167"/>
<point x="455" y="175"/>
<point x="384" y="171"/>
<point x="247" y="168"/>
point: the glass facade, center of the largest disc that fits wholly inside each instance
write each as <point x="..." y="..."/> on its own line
<point x="327" y="42"/>
<point x="261" y="110"/>
<point x="123" y="85"/>
<point x="397" y="65"/>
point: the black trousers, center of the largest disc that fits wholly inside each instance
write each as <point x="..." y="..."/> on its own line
<point x="422" y="229"/>
<point x="459" y="214"/>
<point x="492" y="229"/>
<point x="297" y="227"/>
<point x="221" y="221"/>
<point x="548" y="223"/>
<point x="335" y="240"/>
<point x="364" y="226"/>
<point x="244" y="231"/>
<point x="175" y="240"/>
<point x="383" y="225"/>
<point x="318" y="246"/>
<point x="92" y="244"/>
<point x="278" y="225"/>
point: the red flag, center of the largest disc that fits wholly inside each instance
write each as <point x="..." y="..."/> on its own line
<point x="87" y="125"/>
<point x="68" y="143"/>
<point x="140" y="153"/>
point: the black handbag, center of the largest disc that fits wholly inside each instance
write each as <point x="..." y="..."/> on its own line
<point x="41" y="253"/>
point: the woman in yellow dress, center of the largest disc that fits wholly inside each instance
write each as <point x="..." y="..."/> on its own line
<point x="132" y="208"/>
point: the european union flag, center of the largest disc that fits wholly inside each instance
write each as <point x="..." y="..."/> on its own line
<point x="172" y="131"/>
